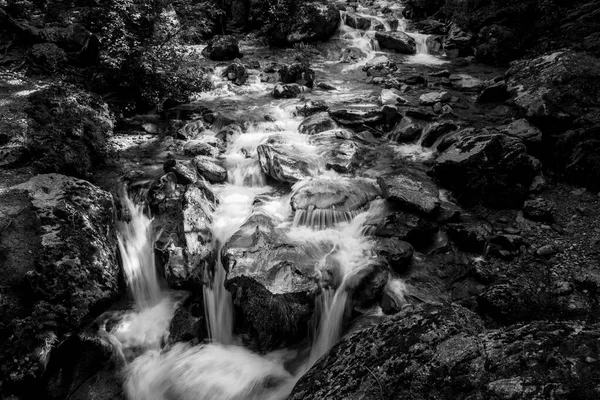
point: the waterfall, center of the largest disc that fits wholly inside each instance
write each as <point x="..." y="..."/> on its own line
<point x="331" y="306"/>
<point x="218" y="305"/>
<point x="136" y="244"/>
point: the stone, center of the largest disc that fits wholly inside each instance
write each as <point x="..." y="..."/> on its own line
<point x="458" y="43"/>
<point x="357" y="21"/>
<point x="397" y="41"/>
<point x="192" y="130"/>
<point x="414" y="191"/>
<point x="352" y="54"/>
<point x="229" y="134"/>
<point x="326" y="86"/>
<point x="288" y="91"/>
<point x="210" y="169"/>
<point x="429" y="99"/>
<point x="407" y="130"/>
<point x="435" y="131"/>
<point x="312" y="107"/>
<point x="525" y="131"/>
<point x="317" y="123"/>
<point x="396" y="252"/>
<point x="297" y="73"/>
<point x="236" y="73"/>
<point x="183" y="171"/>
<point x="222" y="48"/>
<point x="284" y="162"/>
<point x="493" y="169"/>
<point x="471" y="234"/>
<point x="466" y="83"/>
<point x="60" y="269"/>
<point x="194" y="148"/>
<point x="357" y="116"/>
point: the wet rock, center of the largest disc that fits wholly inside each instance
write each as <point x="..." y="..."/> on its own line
<point x="407" y="226"/>
<point x="340" y="153"/>
<point x="493" y="93"/>
<point x="396" y="252"/>
<point x="458" y="43"/>
<point x="391" y="97"/>
<point x="183" y="171"/>
<point x="523" y="130"/>
<point x="555" y="89"/>
<point x="356" y="116"/>
<point x="312" y="107"/>
<point x="408" y="353"/>
<point x="429" y="99"/>
<point x="222" y="48"/>
<point x="398" y="41"/>
<point x="317" y="123"/>
<point x="210" y="169"/>
<point x="415" y="191"/>
<point x="471" y="234"/>
<point x="229" y="134"/>
<point x="200" y="148"/>
<point x="357" y="21"/>
<point x="494" y="169"/>
<point x="288" y="91"/>
<point x="236" y="73"/>
<point x="313" y="22"/>
<point x="444" y="73"/>
<point x="59" y="260"/>
<point x="379" y="60"/>
<point x="192" y="130"/>
<point x="282" y="161"/>
<point x="326" y="86"/>
<point x="433" y="132"/>
<point x="407" y="130"/>
<point x="186" y="236"/>
<point x="297" y="73"/>
<point x="353" y="54"/>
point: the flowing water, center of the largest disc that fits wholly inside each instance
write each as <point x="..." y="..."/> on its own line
<point x="221" y="368"/>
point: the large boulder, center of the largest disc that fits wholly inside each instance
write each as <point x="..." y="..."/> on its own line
<point x="494" y="169"/>
<point x="557" y="90"/>
<point x="414" y="191"/>
<point x="210" y="169"/>
<point x="313" y="22"/>
<point x="398" y="41"/>
<point x="357" y="21"/>
<point x="283" y="161"/>
<point x="58" y="251"/>
<point x="222" y="48"/>
<point x="317" y="123"/>
<point x="443" y="352"/>
<point x="297" y="73"/>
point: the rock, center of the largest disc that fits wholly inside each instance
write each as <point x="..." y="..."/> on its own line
<point x="357" y="21"/>
<point x="555" y="89"/>
<point x="356" y="116"/>
<point x="322" y="202"/>
<point x="288" y="91"/>
<point x="194" y="148"/>
<point x="192" y="130"/>
<point x="407" y="130"/>
<point x="407" y="226"/>
<point x="59" y="262"/>
<point x="378" y="60"/>
<point x="282" y="161"/>
<point x="340" y="153"/>
<point x="415" y="191"/>
<point x="547" y="250"/>
<point x="210" y="169"/>
<point x="493" y="93"/>
<point x="236" y="73"/>
<point x="391" y="97"/>
<point x="184" y="217"/>
<point x="229" y="134"/>
<point x="297" y="73"/>
<point x="47" y="55"/>
<point x="317" y="123"/>
<point x="326" y="86"/>
<point x="494" y="169"/>
<point x="397" y="41"/>
<point x="352" y="54"/>
<point x="466" y="83"/>
<point x="312" y="107"/>
<point x="429" y="99"/>
<point x="313" y="22"/>
<point x="538" y="210"/>
<point x="444" y="73"/>
<point x="183" y="171"/>
<point x="222" y="48"/>
<point x="458" y="43"/>
<point x="470" y="234"/>
<point x="523" y="130"/>
<point x="431" y="27"/>
<point x="433" y="132"/>
<point x="396" y="252"/>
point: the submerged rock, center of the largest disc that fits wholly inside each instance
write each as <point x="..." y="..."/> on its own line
<point x="222" y="48"/>
<point x="59" y="260"/>
<point x="443" y="351"/>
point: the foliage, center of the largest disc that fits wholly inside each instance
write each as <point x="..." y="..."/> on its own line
<point x="69" y="130"/>
<point x="199" y="19"/>
<point x="276" y="18"/>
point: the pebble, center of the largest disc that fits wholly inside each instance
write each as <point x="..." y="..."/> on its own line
<point x="547" y="250"/>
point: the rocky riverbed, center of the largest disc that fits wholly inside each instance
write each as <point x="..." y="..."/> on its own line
<point x="389" y="218"/>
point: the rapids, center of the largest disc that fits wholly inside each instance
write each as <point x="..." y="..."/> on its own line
<point x="222" y="368"/>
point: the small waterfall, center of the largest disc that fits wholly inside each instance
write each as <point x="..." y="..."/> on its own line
<point x="421" y="42"/>
<point x="136" y="244"/>
<point x="331" y="306"/>
<point x="322" y="219"/>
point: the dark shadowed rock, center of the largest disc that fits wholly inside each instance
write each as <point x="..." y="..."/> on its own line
<point x="288" y="91"/>
<point x="458" y="43"/>
<point x="396" y="252"/>
<point x="184" y="172"/>
<point x="59" y="261"/>
<point x="222" y="48"/>
<point x="525" y="131"/>
<point x="538" y="210"/>
<point x="297" y="73"/>
<point x="494" y="92"/>
<point x="493" y="169"/>
<point x="398" y="41"/>
<point x="471" y="234"/>
<point x="357" y="21"/>
<point x="435" y="131"/>
<point x="236" y="73"/>
<point x="443" y="352"/>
